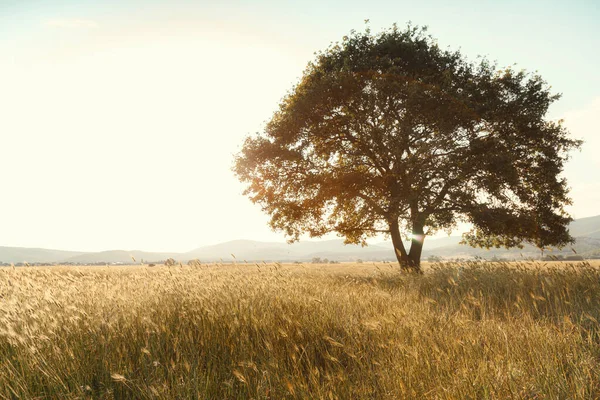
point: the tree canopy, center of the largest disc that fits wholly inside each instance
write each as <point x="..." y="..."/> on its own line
<point x="389" y="133"/>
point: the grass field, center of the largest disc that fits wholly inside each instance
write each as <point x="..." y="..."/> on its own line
<point x="269" y="331"/>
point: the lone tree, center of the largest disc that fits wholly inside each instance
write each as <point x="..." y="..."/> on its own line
<point x="388" y="133"/>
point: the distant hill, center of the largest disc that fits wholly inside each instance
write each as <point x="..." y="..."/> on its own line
<point x="34" y="255"/>
<point x="586" y="231"/>
<point x="586" y="227"/>
<point x="120" y="256"/>
<point x="272" y="251"/>
<point x="430" y="243"/>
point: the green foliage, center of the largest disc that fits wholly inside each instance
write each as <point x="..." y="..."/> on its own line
<point x="390" y="133"/>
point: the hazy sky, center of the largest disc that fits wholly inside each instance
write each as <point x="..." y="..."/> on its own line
<point x="119" y="119"/>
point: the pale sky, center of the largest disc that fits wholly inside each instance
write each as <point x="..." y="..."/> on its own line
<point x="119" y="119"/>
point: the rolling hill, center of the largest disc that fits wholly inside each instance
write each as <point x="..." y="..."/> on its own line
<point x="586" y="227"/>
<point x="120" y="256"/>
<point x="301" y="251"/>
<point x="35" y="255"/>
<point x="585" y="230"/>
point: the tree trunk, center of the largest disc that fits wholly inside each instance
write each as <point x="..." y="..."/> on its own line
<point x="416" y="248"/>
<point x="404" y="259"/>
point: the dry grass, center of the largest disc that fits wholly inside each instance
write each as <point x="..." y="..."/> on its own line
<point x="271" y="332"/>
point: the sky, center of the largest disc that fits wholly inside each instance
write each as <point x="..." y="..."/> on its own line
<point x="119" y="119"/>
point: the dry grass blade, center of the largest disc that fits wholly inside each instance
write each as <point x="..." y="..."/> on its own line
<point x="118" y="377"/>
<point x="350" y="331"/>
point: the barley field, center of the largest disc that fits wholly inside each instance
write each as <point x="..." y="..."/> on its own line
<point x="270" y="331"/>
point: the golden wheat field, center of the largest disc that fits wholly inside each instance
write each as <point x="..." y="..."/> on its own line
<point x="271" y="331"/>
